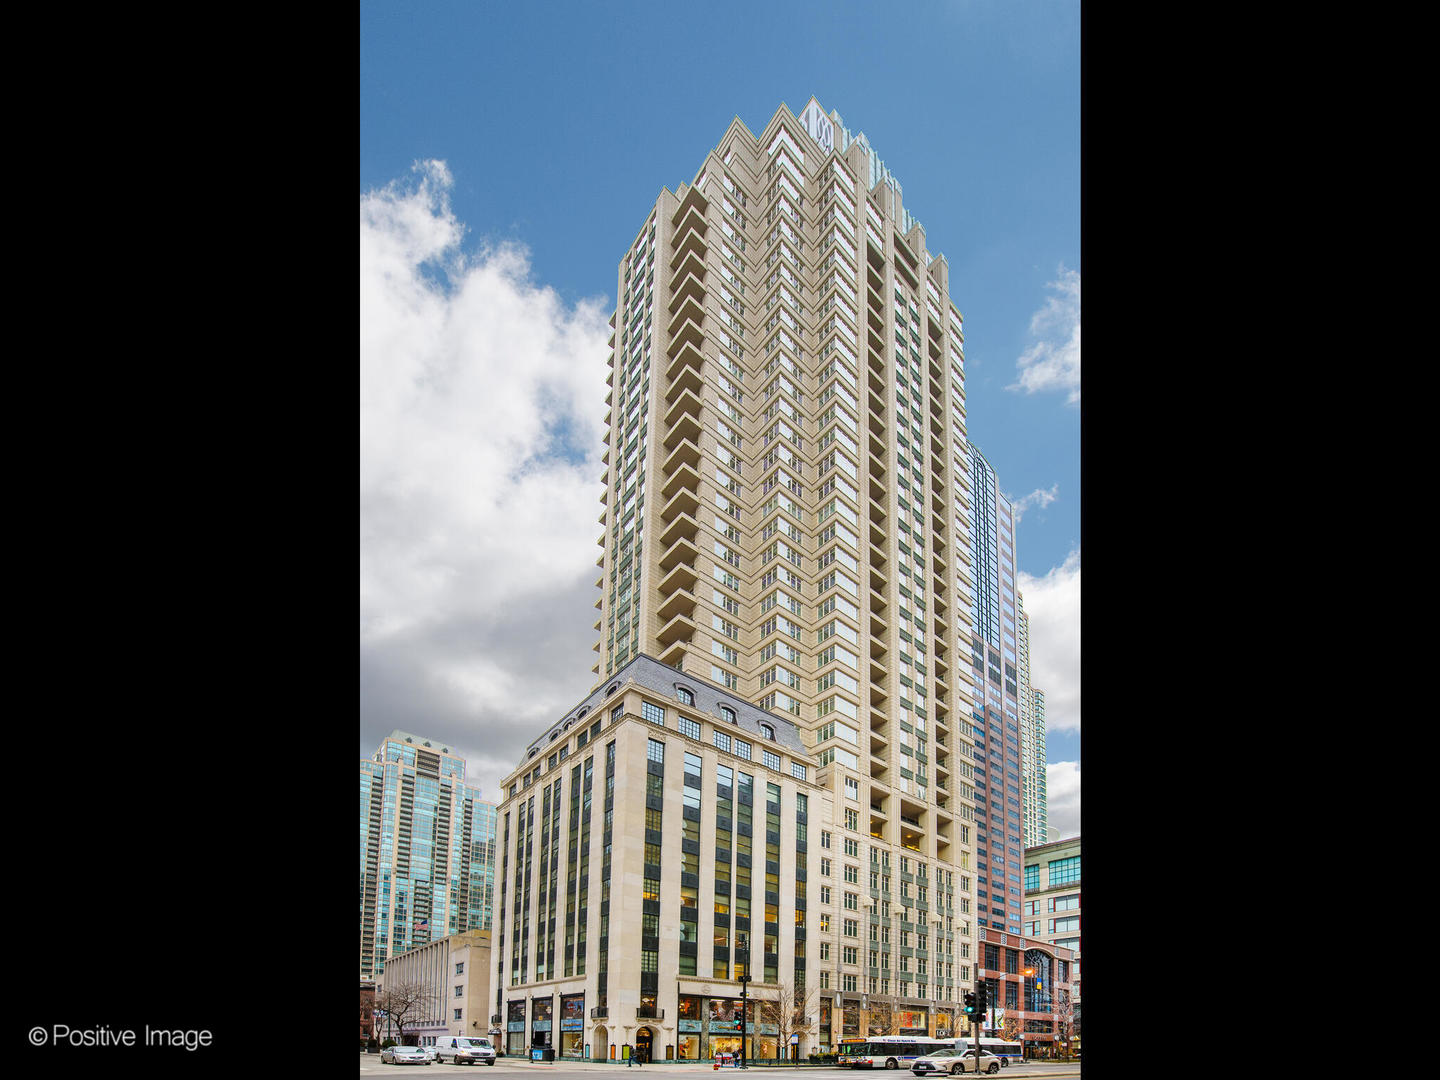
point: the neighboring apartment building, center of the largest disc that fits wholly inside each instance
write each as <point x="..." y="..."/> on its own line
<point x="1010" y="803"/>
<point x="1052" y="904"/>
<point x="455" y="971"/>
<point x="1035" y="805"/>
<point x="427" y="850"/>
<point x="788" y="515"/>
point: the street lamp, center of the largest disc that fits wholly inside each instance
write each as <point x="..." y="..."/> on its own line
<point x="744" y="981"/>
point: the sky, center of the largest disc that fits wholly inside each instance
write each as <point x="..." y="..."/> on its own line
<point x="509" y="154"/>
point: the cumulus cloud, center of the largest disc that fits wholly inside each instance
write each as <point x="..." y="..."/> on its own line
<point x="481" y="419"/>
<point x="1053" y="362"/>
<point x="1062" y="795"/>
<point x="1052" y="603"/>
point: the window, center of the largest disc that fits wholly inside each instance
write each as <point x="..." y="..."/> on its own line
<point x="727" y="714"/>
<point x="655" y="751"/>
<point x="722" y="741"/>
<point x="767" y="730"/>
<point x="459" y="990"/>
<point x="685" y="696"/>
<point x="742" y="749"/>
<point x="797" y="770"/>
<point x="689" y="727"/>
<point x="1064" y="871"/>
<point x="460" y="968"/>
<point x="771" y="761"/>
<point x="652" y="712"/>
<point x="457" y="1015"/>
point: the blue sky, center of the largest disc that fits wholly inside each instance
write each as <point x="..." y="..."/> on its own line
<point x="557" y="124"/>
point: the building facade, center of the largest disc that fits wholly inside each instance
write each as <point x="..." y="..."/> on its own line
<point x="787" y="628"/>
<point x="1034" y="803"/>
<point x="1053" y="913"/>
<point x="994" y="658"/>
<point x="658" y="844"/>
<point x="455" y="972"/>
<point x="787" y="504"/>
<point x="427" y="850"/>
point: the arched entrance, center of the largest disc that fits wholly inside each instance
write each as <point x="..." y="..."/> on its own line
<point x="600" y="1051"/>
<point x="644" y="1041"/>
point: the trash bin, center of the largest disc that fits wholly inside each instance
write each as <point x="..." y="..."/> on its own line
<point x="547" y="1053"/>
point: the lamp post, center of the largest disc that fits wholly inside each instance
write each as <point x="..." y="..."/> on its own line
<point x="744" y="981"/>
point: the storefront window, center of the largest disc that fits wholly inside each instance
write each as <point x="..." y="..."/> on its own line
<point x="572" y="1025"/>
<point x="515" y="1028"/>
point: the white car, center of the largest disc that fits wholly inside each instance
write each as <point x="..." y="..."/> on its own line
<point x="463" y="1050"/>
<point x="955" y="1061"/>
<point x="405" y="1055"/>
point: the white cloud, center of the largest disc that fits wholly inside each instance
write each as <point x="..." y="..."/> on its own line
<point x="1053" y="362"/>
<point x="1052" y="603"/>
<point x="481" y="419"/>
<point x="1062" y="795"/>
<point x="1039" y="498"/>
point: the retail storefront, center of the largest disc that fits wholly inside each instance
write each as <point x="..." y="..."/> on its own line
<point x="572" y="1026"/>
<point x="515" y="1043"/>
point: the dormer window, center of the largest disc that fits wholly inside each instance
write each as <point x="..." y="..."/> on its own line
<point x="767" y="730"/>
<point x="728" y="714"/>
<point x="686" y="697"/>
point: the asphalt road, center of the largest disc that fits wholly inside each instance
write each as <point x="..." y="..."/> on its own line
<point x="370" y="1065"/>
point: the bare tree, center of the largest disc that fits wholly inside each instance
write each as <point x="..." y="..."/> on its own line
<point x="1064" y="1012"/>
<point x="405" y="1004"/>
<point x="367" y="1012"/>
<point x="789" y="1011"/>
<point x="881" y="1011"/>
<point x="1010" y="1028"/>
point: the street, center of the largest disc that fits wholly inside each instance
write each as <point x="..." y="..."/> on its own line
<point x="371" y="1065"/>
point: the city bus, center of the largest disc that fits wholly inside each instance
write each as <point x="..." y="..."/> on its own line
<point x="1003" y="1049"/>
<point x="887" y="1051"/>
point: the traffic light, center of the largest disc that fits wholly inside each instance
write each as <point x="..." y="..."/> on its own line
<point x="981" y="1002"/>
<point x="970" y="1012"/>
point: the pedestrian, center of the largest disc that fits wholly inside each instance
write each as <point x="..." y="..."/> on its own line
<point x="628" y="1055"/>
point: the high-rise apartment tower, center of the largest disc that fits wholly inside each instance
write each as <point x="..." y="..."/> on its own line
<point x="1035" y="809"/>
<point x="427" y="850"/>
<point x="786" y="517"/>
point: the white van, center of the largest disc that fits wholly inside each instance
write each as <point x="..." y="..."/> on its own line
<point x="464" y="1050"/>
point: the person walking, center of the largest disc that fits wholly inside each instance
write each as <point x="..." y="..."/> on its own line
<point x="629" y="1054"/>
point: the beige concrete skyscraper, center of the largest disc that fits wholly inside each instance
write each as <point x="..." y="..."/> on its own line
<point x="786" y="615"/>
<point x="787" y="486"/>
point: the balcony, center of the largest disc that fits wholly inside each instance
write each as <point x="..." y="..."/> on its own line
<point x="649" y="1012"/>
<point x="599" y="1012"/>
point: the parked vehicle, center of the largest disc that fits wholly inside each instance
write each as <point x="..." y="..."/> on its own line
<point x="464" y="1050"/>
<point x="405" y="1055"/>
